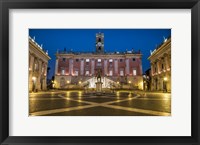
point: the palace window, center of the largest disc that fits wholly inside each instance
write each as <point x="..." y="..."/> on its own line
<point x="99" y="60"/>
<point x="133" y="59"/>
<point x="77" y="60"/>
<point x="87" y="73"/>
<point x="87" y="60"/>
<point x="63" y="71"/>
<point x="110" y="60"/>
<point x="64" y="59"/>
<point x="76" y="73"/>
<point x="121" y="60"/>
<point x="121" y="73"/>
<point x="162" y="66"/>
<point x="110" y="73"/>
<point x="134" y="72"/>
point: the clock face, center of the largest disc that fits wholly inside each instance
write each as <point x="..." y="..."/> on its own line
<point x="99" y="44"/>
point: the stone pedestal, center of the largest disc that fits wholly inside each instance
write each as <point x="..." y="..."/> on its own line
<point x="98" y="87"/>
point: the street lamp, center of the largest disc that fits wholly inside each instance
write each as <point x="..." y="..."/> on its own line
<point x="129" y="84"/>
<point x="165" y="84"/>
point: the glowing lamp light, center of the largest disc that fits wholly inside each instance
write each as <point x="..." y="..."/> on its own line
<point x="68" y="82"/>
<point x="165" y="78"/>
<point x="129" y="82"/>
<point x="117" y="82"/>
<point x="33" y="78"/>
<point x="79" y="82"/>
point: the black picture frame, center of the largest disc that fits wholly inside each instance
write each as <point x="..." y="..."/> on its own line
<point x="5" y="5"/>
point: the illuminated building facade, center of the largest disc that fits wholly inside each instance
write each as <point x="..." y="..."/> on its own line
<point x="160" y="60"/>
<point x="119" y="69"/>
<point x="38" y="62"/>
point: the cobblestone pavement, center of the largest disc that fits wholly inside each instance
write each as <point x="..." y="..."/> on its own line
<point x="120" y="103"/>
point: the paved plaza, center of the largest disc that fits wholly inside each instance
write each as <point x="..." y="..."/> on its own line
<point x="119" y="103"/>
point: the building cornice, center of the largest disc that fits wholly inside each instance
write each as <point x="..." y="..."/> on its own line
<point x="160" y="49"/>
<point x="34" y="45"/>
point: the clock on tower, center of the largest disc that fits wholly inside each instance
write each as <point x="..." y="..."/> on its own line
<point x="100" y="42"/>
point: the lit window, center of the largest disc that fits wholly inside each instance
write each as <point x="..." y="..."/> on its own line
<point x="63" y="72"/>
<point x="87" y="60"/>
<point x="134" y="72"/>
<point x="99" y="60"/>
<point x="87" y="73"/>
<point x="110" y="73"/>
<point x="121" y="73"/>
<point x="110" y="60"/>
<point x="76" y="73"/>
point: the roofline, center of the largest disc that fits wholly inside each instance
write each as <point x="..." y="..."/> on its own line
<point x="41" y="51"/>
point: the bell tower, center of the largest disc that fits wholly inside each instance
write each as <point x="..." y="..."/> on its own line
<point x="99" y="42"/>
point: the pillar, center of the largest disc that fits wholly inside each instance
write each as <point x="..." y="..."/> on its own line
<point x="105" y="67"/>
<point x="56" y="67"/>
<point x="92" y="66"/>
<point x="116" y="66"/>
<point x="127" y="66"/>
<point x="31" y="71"/>
<point x="82" y="67"/>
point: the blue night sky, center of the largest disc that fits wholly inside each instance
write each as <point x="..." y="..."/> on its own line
<point x="83" y="40"/>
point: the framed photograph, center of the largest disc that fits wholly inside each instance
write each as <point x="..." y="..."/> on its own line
<point x="103" y="72"/>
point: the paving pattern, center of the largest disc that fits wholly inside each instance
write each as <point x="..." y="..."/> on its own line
<point x="120" y="103"/>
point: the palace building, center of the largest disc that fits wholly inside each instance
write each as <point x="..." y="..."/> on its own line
<point x="160" y="60"/>
<point x="38" y="62"/>
<point x="117" y="69"/>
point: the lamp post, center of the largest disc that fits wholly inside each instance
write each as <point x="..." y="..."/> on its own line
<point x="165" y="84"/>
<point x="129" y="84"/>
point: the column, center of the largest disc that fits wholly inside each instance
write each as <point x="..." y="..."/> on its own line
<point x="127" y="67"/>
<point x="45" y="77"/>
<point x="82" y="67"/>
<point x="56" y="67"/>
<point x="116" y="66"/>
<point x="70" y="66"/>
<point x="31" y="71"/>
<point x="92" y="67"/>
<point x="39" y="75"/>
<point x="105" y="67"/>
<point x="166" y="62"/>
<point x="31" y="62"/>
<point x="158" y="67"/>
<point x="140" y="64"/>
<point x="152" y="69"/>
